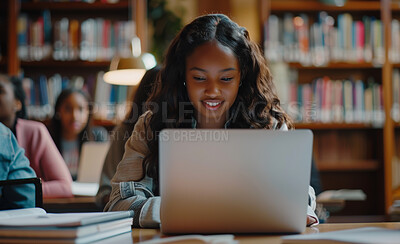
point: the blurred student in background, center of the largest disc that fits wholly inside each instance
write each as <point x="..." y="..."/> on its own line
<point x="35" y="139"/>
<point x="121" y="133"/>
<point x="70" y="126"/>
<point x="14" y="165"/>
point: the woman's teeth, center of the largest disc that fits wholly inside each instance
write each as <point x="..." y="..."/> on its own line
<point x="213" y="104"/>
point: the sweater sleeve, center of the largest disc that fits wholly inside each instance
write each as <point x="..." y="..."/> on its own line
<point x="114" y="155"/>
<point x="129" y="191"/>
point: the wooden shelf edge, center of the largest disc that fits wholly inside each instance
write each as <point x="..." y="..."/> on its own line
<point x="395" y="6"/>
<point x="76" y="63"/>
<point x="123" y="5"/>
<point x="396" y="193"/>
<point x="76" y="199"/>
<point x="348" y="165"/>
<point x="338" y="126"/>
<point x="315" y="6"/>
<point x="338" y="65"/>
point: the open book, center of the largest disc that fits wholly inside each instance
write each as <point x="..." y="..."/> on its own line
<point x="366" y="235"/>
<point x="34" y="225"/>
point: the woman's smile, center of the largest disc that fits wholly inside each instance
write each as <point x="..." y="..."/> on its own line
<point x="212" y="104"/>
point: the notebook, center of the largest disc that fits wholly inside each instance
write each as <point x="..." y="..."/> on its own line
<point x="234" y="181"/>
<point x="90" y="165"/>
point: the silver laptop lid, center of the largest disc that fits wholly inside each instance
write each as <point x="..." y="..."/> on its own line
<point x="91" y="161"/>
<point x="234" y="181"/>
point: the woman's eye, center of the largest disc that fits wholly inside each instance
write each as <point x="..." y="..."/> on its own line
<point x="227" y="78"/>
<point x="199" y="78"/>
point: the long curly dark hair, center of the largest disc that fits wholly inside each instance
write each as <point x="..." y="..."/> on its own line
<point x="256" y="106"/>
<point x="141" y="95"/>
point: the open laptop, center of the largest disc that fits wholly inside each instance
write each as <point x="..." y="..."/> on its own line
<point x="234" y="181"/>
<point x="90" y="165"/>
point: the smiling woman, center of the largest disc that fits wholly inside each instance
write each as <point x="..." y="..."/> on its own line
<point x="212" y="80"/>
<point x="213" y="76"/>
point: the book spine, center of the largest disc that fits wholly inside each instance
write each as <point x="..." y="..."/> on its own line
<point x="272" y="47"/>
<point x="73" y="42"/>
<point x="394" y="48"/>
<point x="359" y="41"/>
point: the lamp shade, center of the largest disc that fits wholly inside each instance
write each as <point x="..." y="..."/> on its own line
<point x="130" y="70"/>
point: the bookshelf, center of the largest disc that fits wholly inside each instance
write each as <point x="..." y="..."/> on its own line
<point x="349" y="153"/>
<point x="111" y="18"/>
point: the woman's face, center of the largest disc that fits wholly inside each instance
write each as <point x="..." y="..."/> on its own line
<point x="212" y="82"/>
<point x="74" y="115"/>
<point x="9" y="106"/>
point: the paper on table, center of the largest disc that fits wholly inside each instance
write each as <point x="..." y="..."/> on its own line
<point x="84" y="188"/>
<point x="367" y="235"/>
<point x="225" y="239"/>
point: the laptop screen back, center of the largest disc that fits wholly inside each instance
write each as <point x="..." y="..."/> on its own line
<point x="232" y="181"/>
<point x="91" y="161"/>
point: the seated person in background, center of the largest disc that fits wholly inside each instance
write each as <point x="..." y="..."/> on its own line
<point x="70" y="126"/>
<point x="120" y="135"/>
<point x="214" y="77"/>
<point x="14" y="165"/>
<point x="35" y="139"/>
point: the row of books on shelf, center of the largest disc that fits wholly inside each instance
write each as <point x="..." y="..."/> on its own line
<point x="296" y="38"/>
<point x="94" y="39"/>
<point x="336" y="101"/>
<point x="108" y="100"/>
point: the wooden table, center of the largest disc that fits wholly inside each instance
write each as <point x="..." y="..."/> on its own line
<point x="72" y="204"/>
<point x="138" y="235"/>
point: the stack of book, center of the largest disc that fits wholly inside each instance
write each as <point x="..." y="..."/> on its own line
<point x="324" y="39"/>
<point x="396" y="95"/>
<point x="93" y="39"/>
<point x="41" y="94"/>
<point x="328" y="100"/>
<point x="34" y="225"/>
<point x="341" y="101"/>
